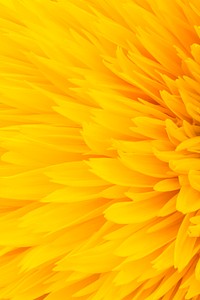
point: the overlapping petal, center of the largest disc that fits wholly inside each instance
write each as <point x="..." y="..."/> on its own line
<point x="99" y="149"/>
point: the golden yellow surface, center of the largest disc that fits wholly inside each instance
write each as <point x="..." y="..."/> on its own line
<point x="99" y="149"/>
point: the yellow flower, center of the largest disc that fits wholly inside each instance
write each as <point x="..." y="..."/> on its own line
<point x="100" y="145"/>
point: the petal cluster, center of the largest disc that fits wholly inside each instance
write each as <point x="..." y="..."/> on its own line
<point x="99" y="149"/>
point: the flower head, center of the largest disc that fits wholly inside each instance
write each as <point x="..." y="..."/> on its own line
<point x="100" y="144"/>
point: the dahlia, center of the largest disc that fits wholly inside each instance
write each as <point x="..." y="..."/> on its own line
<point x="100" y="145"/>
